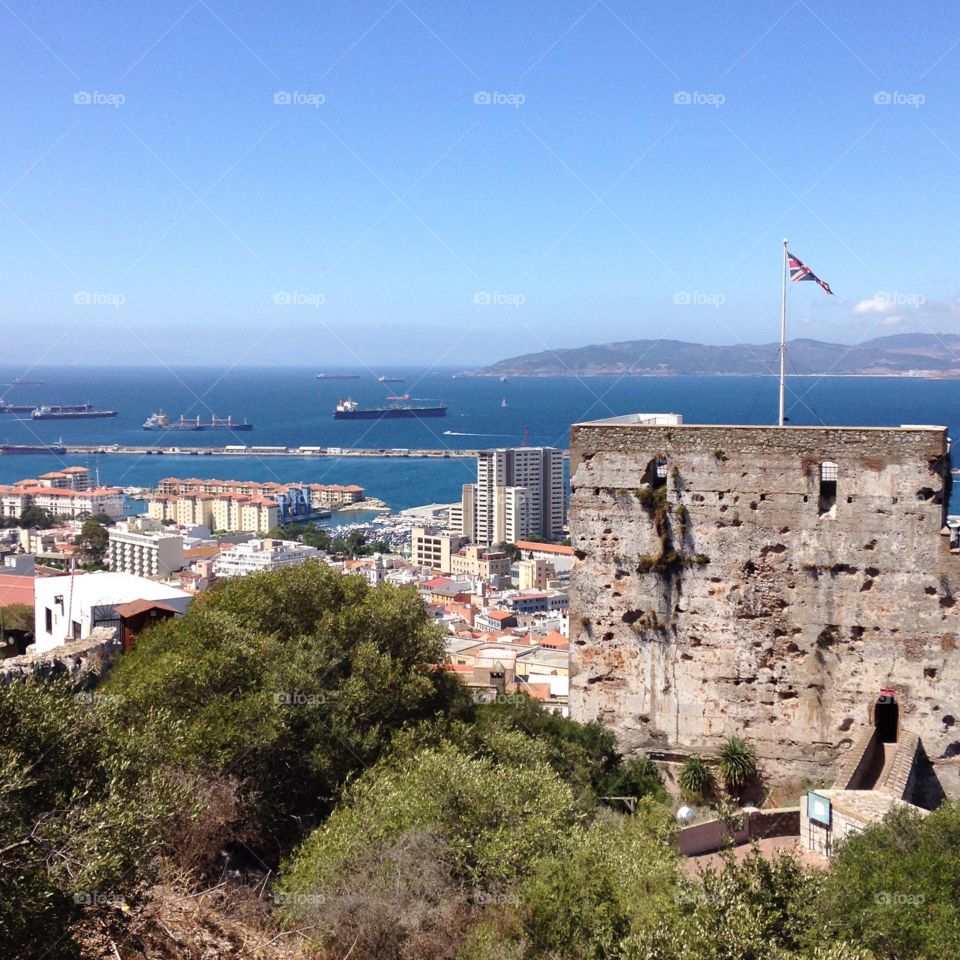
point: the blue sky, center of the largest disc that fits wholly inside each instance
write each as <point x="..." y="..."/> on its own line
<point x="629" y="171"/>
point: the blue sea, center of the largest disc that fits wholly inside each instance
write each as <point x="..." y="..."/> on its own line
<point x="290" y="407"/>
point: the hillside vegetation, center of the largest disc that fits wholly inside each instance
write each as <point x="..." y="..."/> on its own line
<point x="913" y="353"/>
<point x="285" y="773"/>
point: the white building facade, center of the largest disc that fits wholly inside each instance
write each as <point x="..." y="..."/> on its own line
<point x="260" y="556"/>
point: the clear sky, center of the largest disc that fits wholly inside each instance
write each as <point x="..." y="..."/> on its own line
<point x="454" y="183"/>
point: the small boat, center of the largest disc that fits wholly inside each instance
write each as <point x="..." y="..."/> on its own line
<point x="503" y="379"/>
<point x="503" y="402"/>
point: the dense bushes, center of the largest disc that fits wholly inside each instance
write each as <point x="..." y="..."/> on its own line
<point x="82" y="820"/>
<point x="289" y="682"/>
<point x="302" y="715"/>
<point x="895" y="888"/>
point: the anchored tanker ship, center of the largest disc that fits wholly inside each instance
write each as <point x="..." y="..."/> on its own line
<point x="159" y="421"/>
<point x="70" y="411"/>
<point x="351" y="410"/>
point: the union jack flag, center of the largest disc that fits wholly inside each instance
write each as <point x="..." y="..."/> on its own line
<point x="800" y="271"/>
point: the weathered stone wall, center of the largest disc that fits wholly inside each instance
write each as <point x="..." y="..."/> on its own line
<point x="85" y="661"/>
<point x="734" y="606"/>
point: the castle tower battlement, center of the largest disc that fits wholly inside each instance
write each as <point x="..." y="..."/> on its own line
<point x="769" y="582"/>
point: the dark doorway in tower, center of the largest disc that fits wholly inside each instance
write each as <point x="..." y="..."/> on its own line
<point x="886" y="717"/>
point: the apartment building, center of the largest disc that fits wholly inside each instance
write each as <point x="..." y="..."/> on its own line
<point x="520" y="492"/>
<point x="75" y="503"/>
<point x="144" y="547"/>
<point x="294" y="499"/>
<point x="481" y="563"/>
<point x="534" y="574"/>
<point x="260" y="556"/>
<point x="434" y="548"/>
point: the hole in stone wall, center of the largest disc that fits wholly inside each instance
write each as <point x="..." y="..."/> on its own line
<point x="656" y="472"/>
<point x="827" y="500"/>
<point x="886" y="719"/>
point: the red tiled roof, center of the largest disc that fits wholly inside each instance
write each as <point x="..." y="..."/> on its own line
<point x="436" y="582"/>
<point x="15" y="589"/>
<point x="544" y="547"/>
<point x="134" y="607"/>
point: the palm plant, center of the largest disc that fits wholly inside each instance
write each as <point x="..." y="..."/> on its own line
<point x="696" y="778"/>
<point x="738" y="764"/>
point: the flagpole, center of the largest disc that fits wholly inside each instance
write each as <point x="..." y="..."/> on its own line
<point x="783" y="334"/>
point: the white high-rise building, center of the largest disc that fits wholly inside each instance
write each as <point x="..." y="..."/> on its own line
<point x="519" y="493"/>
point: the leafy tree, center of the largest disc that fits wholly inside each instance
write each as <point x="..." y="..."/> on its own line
<point x="749" y="909"/>
<point x="37" y="518"/>
<point x="93" y="539"/>
<point x="584" y="754"/>
<point x="895" y="887"/>
<point x="696" y="778"/>
<point x="290" y="682"/>
<point x="738" y="764"/>
<point x="511" y="550"/>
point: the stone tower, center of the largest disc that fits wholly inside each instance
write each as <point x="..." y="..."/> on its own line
<point x="768" y="582"/>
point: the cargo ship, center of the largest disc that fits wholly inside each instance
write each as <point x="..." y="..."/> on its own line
<point x="351" y="410"/>
<point x="16" y="407"/>
<point x="338" y="376"/>
<point x="389" y="379"/>
<point x="70" y="411"/>
<point x="160" y="421"/>
<point x="32" y="448"/>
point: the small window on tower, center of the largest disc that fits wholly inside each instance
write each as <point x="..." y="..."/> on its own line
<point x="828" y="489"/>
<point x="656" y="472"/>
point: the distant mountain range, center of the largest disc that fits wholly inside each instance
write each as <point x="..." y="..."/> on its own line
<point x="905" y="354"/>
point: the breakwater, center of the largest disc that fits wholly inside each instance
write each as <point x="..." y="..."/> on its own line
<point x="258" y="451"/>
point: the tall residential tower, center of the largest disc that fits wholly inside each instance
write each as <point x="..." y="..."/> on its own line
<point x="519" y="493"/>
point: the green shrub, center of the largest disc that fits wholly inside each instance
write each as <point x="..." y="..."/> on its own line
<point x="696" y="778"/>
<point x="82" y="820"/>
<point x="738" y="764"/>
<point x="494" y="821"/>
<point x="616" y="879"/>
<point x="895" y="887"/>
